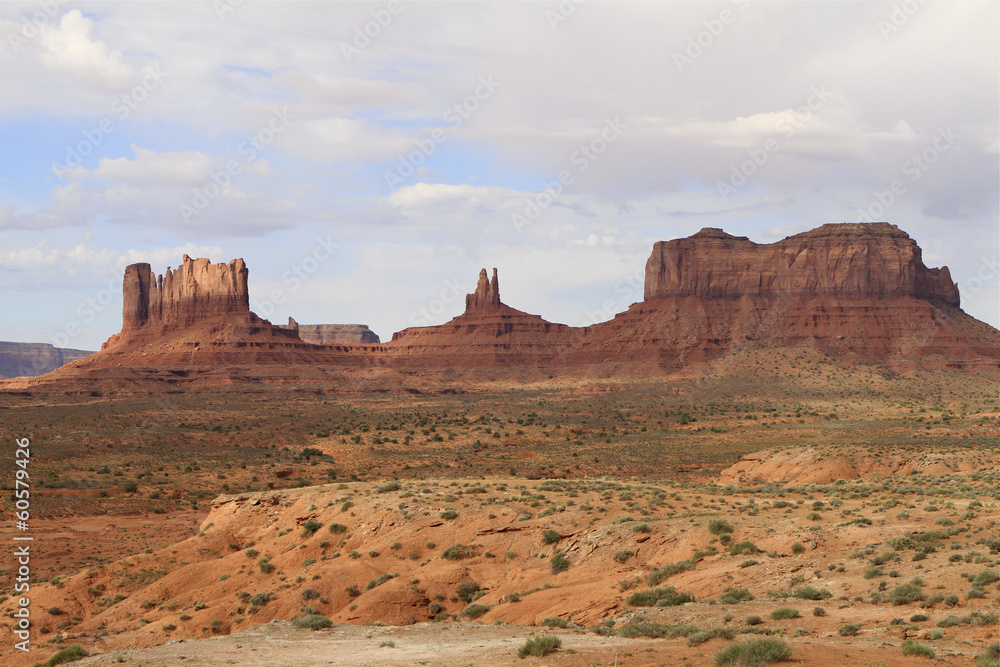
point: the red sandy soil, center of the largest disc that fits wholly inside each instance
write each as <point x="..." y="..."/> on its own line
<point x="205" y="585"/>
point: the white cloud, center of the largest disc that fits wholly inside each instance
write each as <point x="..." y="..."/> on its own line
<point x="687" y="132"/>
<point x="70" y="49"/>
<point x="150" y="169"/>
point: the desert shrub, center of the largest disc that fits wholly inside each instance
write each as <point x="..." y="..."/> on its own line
<point x="657" y="576"/>
<point x="539" y="646"/>
<point x="667" y="596"/>
<point x="656" y="630"/>
<point x="819" y="611"/>
<point x="702" y="636"/>
<point x="985" y="578"/>
<point x="449" y="515"/>
<point x="784" y="612"/>
<point x="949" y="621"/>
<point x="754" y="620"/>
<point x="798" y="548"/>
<point x="740" y="548"/>
<point x="911" y="647"/>
<point x="642" y="528"/>
<point x="475" y="610"/>
<point x="559" y="563"/>
<point x="812" y="593"/>
<point x="917" y="618"/>
<point x="555" y="622"/>
<point x="310" y="594"/>
<point x="466" y="591"/>
<point x="380" y="579"/>
<point x="336" y="528"/>
<point x="873" y="572"/>
<point x="719" y="526"/>
<point x="849" y="629"/>
<point x="68" y="654"/>
<point x="264" y="563"/>
<point x="310" y="527"/>
<point x="906" y="594"/>
<point x="990" y="657"/>
<point x="748" y="563"/>
<point x="386" y="488"/>
<point x="457" y="552"/>
<point x="312" y="622"/>
<point x="753" y="653"/>
<point x="551" y="536"/>
<point x="734" y="595"/>
<point x="622" y="555"/>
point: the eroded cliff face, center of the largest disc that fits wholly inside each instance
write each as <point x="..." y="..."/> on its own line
<point x="195" y="291"/>
<point x="855" y="292"/>
<point x="854" y="260"/>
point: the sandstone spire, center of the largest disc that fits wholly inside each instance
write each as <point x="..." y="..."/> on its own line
<point x="487" y="294"/>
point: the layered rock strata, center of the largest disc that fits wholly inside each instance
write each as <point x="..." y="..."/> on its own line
<point x="853" y="260"/>
<point x="334" y="334"/>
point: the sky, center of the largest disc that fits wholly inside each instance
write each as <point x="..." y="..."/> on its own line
<point x="366" y="160"/>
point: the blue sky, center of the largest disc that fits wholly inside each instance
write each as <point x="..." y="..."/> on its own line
<point x="411" y="157"/>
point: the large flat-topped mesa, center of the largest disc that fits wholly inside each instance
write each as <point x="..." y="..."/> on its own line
<point x="196" y="290"/>
<point x="840" y="260"/>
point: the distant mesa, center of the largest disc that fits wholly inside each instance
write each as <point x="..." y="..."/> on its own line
<point x="31" y="359"/>
<point x="334" y="334"/>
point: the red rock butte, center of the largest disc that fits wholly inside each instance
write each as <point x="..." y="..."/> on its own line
<point x="857" y="292"/>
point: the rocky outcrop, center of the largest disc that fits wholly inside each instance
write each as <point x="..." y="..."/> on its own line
<point x="334" y="334"/>
<point x="855" y="292"/>
<point x="487" y="294"/>
<point x="854" y="260"/>
<point x="858" y="292"/>
<point x="31" y="359"/>
<point x="488" y="334"/>
<point x="196" y="291"/>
